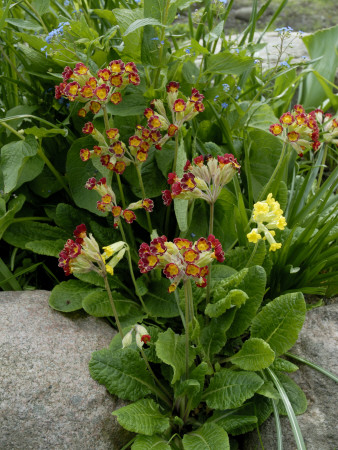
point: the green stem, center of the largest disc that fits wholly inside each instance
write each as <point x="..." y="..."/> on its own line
<point x="50" y="166"/>
<point x="123" y="200"/>
<point x="211" y="229"/>
<point x="27" y="116"/>
<point x="112" y="304"/>
<point x="252" y="255"/>
<point x="314" y="366"/>
<point x="187" y="303"/>
<point x="26" y="219"/>
<point x="176" y="152"/>
<point x="144" y="356"/>
<point x="322" y="167"/>
<point x="144" y="196"/>
<point x="164" y="21"/>
<point x="37" y="15"/>
<point x="131" y="269"/>
<point x="273" y="176"/>
<point x="4" y="124"/>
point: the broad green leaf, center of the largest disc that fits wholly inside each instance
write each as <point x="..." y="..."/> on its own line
<point x="295" y="394"/>
<point x="170" y="348"/>
<point x="140" y="23"/>
<point x="45" y="184"/>
<point x="198" y="374"/>
<point x="210" y="436"/>
<point x="321" y="44"/>
<point x="44" y="132"/>
<point x="27" y="24"/>
<point x="142" y="417"/>
<point x="220" y="273"/>
<point x="280" y="322"/>
<point x="131" y="105"/>
<point x="46" y="247"/>
<point x="283" y="365"/>
<point x="149" y="49"/>
<point x="132" y="43"/>
<point x="268" y="390"/>
<point x="68" y="295"/>
<point x="7" y="217"/>
<point x="261" y="117"/>
<point x="230" y="282"/>
<point x="264" y="154"/>
<point x="149" y="442"/>
<point x="69" y="218"/>
<point x="229" y="63"/>
<point x="245" y="418"/>
<point x="213" y="335"/>
<point x="123" y="372"/>
<point x="181" y="206"/>
<point x="106" y="14"/>
<point x="235" y="297"/>
<point x="229" y="389"/>
<point x="97" y="304"/>
<point x="240" y="256"/>
<point x="159" y="302"/>
<point x="188" y="387"/>
<point x="19" y="234"/>
<point x="15" y="159"/>
<point x="41" y="6"/>
<point x="255" y="354"/>
<point x="254" y="286"/>
<point x="78" y="172"/>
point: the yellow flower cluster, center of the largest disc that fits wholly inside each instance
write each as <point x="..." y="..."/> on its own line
<point x="268" y="216"/>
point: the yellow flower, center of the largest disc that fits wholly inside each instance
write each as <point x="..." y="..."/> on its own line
<point x="253" y="236"/>
<point x="275" y="246"/>
<point x="109" y="270"/>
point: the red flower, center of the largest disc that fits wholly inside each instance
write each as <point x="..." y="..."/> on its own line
<point x="166" y="196"/>
<point x="67" y="73"/>
<point x="112" y="133"/>
<point x="148" y="204"/>
<point x="88" y="128"/>
<point x="173" y="86"/>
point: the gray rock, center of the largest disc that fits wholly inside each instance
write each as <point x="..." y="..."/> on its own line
<point x="243" y="13"/>
<point x="318" y="342"/>
<point x="47" y="397"/>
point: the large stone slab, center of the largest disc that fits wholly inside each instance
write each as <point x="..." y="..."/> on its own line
<point x="47" y="397"/>
<point x="318" y="342"/>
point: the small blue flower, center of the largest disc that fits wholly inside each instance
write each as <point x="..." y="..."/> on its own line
<point x="162" y="42"/>
<point x="237" y="50"/>
<point x="224" y="1"/>
<point x="155" y="39"/>
<point x="284" y="30"/>
<point x="43" y="48"/>
<point x="178" y="15"/>
<point x="216" y="97"/>
<point x="257" y="61"/>
<point x="61" y="100"/>
<point x="187" y="50"/>
<point x="305" y="57"/>
<point x="301" y="33"/>
<point x="193" y="235"/>
<point x="239" y="88"/>
<point x="224" y="105"/>
<point x="237" y="97"/>
<point x="226" y="87"/>
<point x="284" y="64"/>
<point x="66" y="3"/>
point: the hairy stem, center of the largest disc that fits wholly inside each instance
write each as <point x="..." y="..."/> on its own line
<point x="211" y="229"/>
<point x="112" y="304"/>
<point x="144" y="356"/>
<point x="322" y="167"/>
<point x="144" y="196"/>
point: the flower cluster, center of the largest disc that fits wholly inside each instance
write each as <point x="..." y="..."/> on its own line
<point x="203" y="178"/>
<point x="108" y="202"/>
<point x="304" y="131"/>
<point x="56" y="32"/>
<point x="141" y="336"/>
<point x="79" y="84"/>
<point x="180" y="111"/>
<point x="268" y="212"/>
<point x="181" y="259"/>
<point x="83" y="254"/>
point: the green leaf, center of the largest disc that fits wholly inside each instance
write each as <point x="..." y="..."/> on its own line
<point x="229" y="389"/>
<point x="21" y="233"/>
<point x="132" y="104"/>
<point x="106" y="14"/>
<point x="188" y="387"/>
<point x="209" y="437"/>
<point x="78" y="172"/>
<point x="45" y="184"/>
<point x="254" y="286"/>
<point x="7" y="217"/>
<point x="46" y="247"/>
<point x="149" y="49"/>
<point x="321" y="44"/>
<point x="213" y="335"/>
<point x="19" y="163"/>
<point x="140" y="23"/>
<point x="170" y="348"/>
<point x="149" y="442"/>
<point x="240" y="256"/>
<point x="236" y="424"/>
<point x="261" y="117"/>
<point x="268" y="390"/>
<point x="123" y="372"/>
<point x="142" y="417"/>
<point x="68" y="295"/>
<point x="132" y="43"/>
<point x="159" y="302"/>
<point x="295" y="395"/>
<point x="44" y="132"/>
<point x="97" y="304"/>
<point x="229" y="63"/>
<point x="283" y="365"/>
<point x="235" y="297"/>
<point x="280" y="322"/>
<point x="255" y="354"/>
<point x="68" y="217"/>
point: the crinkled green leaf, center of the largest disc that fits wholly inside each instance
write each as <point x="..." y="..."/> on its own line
<point x="283" y="365"/>
<point x="140" y="23"/>
<point x="229" y="63"/>
<point x="255" y="354"/>
<point x="45" y="132"/>
<point x="123" y="372"/>
<point x="268" y="390"/>
<point x="68" y="295"/>
<point x="240" y="256"/>
<point x="142" y="417"/>
<point x="213" y="335"/>
<point x="280" y="322"/>
<point x="7" y="217"/>
<point x="295" y="394"/>
<point x="132" y="43"/>
<point x="229" y="389"/>
<point x="188" y="387"/>
<point x="170" y="348"/>
<point x="149" y="442"/>
<point x="210" y="436"/>
<point x="159" y="302"/>
<point x="235" y="297"/>
<point x="46" y="247"/>
<point x="97" y="304"/>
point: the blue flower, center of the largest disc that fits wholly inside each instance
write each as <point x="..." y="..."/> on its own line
<point x="239" y="88"/>
<point x="226" y="87"/>
<point x="237" y="50"/>
<point x="224" y="1"/>
<point x="43" y="48"/>
<point x="237" y="97"/>
<point x="305" y="57"/>
<point x="284" y="64"/>
<point x="224" y="105"/>
<point x="301" y="33"/>
<point x="66" y="2"/>
<point x="162" y="42"/>
<point x="155" y="39"/>
<point x="257" y="61"/>
<point x="216" y="97"/>
<point x="187" y="50"/>
<point x="283" y="30"/>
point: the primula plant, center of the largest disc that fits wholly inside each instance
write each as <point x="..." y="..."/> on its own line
<point x="180" y="207"/>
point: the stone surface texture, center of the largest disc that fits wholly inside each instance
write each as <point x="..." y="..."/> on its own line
<point x="318" y="342"/>
<point x="47" y="397"/>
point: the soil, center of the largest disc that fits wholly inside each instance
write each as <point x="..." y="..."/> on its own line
<point x="304" y="15"/>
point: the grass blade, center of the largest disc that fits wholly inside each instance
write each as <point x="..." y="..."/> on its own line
<point x="313" y="365"/>
<point x="8" y="281"/>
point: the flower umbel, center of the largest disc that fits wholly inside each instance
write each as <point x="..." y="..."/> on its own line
<point x="141" y="336"/>
<point x="181" y="259"/>
<point x="268" y="216"/>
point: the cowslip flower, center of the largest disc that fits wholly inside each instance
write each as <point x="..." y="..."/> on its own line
<point x="302" y="131"/>
<point x="181" y="259"/>
<point x="141" y="336"/>
<point x="203" y="178"/>
<point x="83" y="254"/>
<point x="268" y="216"/>
<point x="98" y="90"/>
<point x="107" y="203"/>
